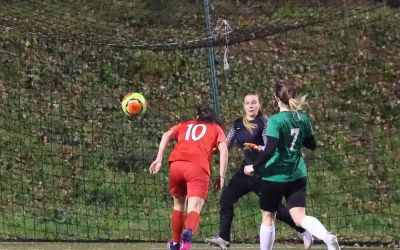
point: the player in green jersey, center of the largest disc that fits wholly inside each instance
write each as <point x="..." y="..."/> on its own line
<point x="283" y="169"/>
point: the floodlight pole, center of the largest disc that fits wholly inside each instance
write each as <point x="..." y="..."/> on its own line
<point x="211" y="59"/>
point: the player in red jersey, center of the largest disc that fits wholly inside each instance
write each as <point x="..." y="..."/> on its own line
<point x="189" y="174"/>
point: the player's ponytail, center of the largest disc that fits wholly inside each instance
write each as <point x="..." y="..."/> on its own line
<point x="248" y="125"/>
<point x="296" y="104"/>
<point x="287" y="94"/>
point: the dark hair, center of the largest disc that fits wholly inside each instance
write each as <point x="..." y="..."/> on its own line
<point x="287" y="93"/>
<point x="207" y="114"/>
<point x="251" y="93"/>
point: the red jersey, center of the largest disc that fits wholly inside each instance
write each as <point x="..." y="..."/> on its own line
<point x="196" y="142"/>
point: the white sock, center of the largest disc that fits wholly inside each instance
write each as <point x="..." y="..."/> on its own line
<point x="315" y="227"/>
<point x="267" y="237"/>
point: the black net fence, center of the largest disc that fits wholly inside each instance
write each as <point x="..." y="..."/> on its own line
<point x="74" y="167"/>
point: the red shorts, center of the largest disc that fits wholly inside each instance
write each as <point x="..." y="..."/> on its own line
<point x="188" y="179"/>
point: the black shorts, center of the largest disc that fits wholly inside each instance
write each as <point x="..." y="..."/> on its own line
<point x="273" y="192"/>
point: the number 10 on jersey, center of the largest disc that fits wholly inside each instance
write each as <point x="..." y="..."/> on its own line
<point x="192" y="134"/>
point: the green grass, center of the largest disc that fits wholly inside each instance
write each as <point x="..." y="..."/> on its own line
<point x="73" y="166"/>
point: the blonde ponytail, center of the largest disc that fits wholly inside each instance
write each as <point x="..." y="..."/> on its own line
<point x="296" y="104"/>
<point x="248" y="125"/>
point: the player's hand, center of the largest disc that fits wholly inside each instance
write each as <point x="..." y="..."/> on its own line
<point x="218" y="183"/>
<point x="155" y="166"/>
<point x="249" y="144"/>
<point x="221" y="182"/>
<point x="255" y="146"/>
<point x="249" y="170"/>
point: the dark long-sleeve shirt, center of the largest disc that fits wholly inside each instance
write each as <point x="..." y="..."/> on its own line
<point x="238" y="134"/>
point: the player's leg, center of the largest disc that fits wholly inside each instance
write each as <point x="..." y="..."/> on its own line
<point x="197" y="182"/>
<point x="283" y="215"/>
<point x="194" y="206"/>
<point x="267" y="230"/>
<point x="177" y="219"/>
<point x="315" y="227"/>
<point x="296" y="202"/>
<point x="177" y="186"/>
<point x="238" y="186"/>
<point x="270" y="198"/>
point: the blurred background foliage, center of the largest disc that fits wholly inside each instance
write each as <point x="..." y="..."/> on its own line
<point x="73" y="167"/>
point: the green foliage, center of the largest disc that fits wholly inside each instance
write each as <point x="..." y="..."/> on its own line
<point x="73" y="166"/>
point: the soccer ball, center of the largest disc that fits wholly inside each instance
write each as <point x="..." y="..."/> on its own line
<point x="134" y="104"/>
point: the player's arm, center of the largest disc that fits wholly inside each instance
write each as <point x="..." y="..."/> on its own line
<point x="309" y="140"/>
<point x="264" y="137"/>
<point x="165" y="139"/>
<point x="223" y="161"/>
<point x="269" y="150"/>
<point x="272" y="133"/>
<point x="310" y="143"/>
<point x="231" y="137"/>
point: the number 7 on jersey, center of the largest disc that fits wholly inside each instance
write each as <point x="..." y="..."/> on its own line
<point x="295" y="133"/>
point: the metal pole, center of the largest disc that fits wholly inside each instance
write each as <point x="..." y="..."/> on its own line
<point x="211" y="60"/>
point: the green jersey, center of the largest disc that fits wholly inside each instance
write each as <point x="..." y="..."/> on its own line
<point x="287" y="163"/>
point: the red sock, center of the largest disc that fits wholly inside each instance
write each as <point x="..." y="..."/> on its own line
<point x="176" y="225"/>
<point x="192" y="221"/>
